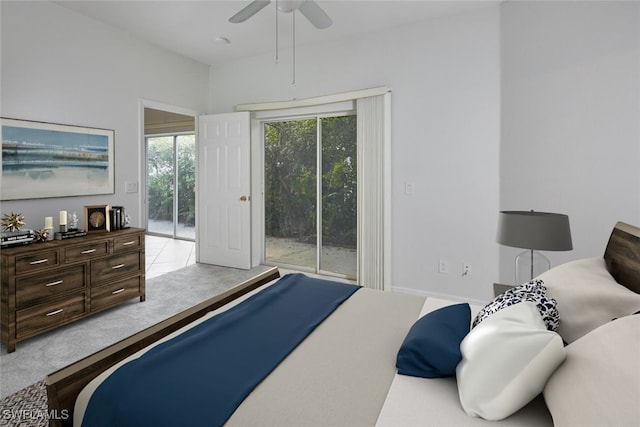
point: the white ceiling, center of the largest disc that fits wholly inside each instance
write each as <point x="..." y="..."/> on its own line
<point x="190" y="27"/>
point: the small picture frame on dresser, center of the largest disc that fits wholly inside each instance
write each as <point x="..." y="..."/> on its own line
<point x="97" y="218"/>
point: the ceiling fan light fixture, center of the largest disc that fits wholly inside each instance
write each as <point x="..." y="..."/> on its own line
<point x="287" y="6"/>
<point x="308" y="8"/>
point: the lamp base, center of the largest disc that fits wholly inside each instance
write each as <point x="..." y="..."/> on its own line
<point x="530" y="264"/>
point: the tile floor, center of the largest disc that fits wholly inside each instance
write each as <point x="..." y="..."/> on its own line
<point x="165" y="254"/>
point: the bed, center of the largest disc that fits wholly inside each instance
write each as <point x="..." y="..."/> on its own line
<point x="364" y="363"/>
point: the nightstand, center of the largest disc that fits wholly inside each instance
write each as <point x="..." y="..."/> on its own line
<point x="499" y="288"/>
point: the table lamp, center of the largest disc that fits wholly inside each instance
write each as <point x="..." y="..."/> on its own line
<point x="534" y="231"/>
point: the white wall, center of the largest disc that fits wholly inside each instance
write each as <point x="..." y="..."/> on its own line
<point x="571" y="118"/>
<point x="556" y="82"/>
<point x="445" y="78"/>
<point x="61" y="67"/>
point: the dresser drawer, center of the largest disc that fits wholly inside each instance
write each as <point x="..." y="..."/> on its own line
<point x="86" y="251"/>
<point x="36" y="262"/>
<point x="51" y="314"/>
<point x="115" y="293"/>
<point x="127" y="243"/>
<point x="117" y="265"/>
<point x="33" y="288"/>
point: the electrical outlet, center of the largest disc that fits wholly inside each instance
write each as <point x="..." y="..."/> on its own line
<point x="466" y="269"/>
<point x="443" y="266"/>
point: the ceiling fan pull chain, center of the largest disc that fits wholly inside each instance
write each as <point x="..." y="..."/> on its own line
<point x="277" y="40"/>
<point x="293" y="82"/>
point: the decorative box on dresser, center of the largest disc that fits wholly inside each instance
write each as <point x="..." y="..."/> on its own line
<point x="50" y="284"/>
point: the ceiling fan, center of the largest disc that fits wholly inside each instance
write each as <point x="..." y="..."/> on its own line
<point x="308" y="8"/>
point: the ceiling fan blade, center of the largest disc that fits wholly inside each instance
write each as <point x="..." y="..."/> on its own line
<point x="315" y="14"/>
<point x="251" y="9"/>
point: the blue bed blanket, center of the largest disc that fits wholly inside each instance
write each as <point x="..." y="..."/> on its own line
<point x="200" y="377"/>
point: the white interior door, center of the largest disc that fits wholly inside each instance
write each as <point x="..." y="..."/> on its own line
<point x="223" y="190"/>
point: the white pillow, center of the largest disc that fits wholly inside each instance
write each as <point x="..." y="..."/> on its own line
<point x="506" y="361"/>
<point x="599" y="383"/>
<point x="587" y="296"/>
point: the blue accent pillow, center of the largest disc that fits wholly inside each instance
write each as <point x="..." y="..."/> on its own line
<point x="431" y="349"/>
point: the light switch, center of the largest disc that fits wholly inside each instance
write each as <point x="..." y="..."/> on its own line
<point x="409" y="188"/>
<point x="131" y="187"/>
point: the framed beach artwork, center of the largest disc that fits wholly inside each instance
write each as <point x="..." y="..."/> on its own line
<point x="52" y="160"/>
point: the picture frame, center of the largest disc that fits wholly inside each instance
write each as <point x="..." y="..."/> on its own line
<point x="43" y="160"/>
<point x="97" y="219"/>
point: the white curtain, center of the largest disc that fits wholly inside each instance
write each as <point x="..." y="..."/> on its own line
<point x="374" y="190"/>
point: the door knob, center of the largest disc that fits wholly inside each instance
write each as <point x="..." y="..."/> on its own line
<point x="245" y="198"/>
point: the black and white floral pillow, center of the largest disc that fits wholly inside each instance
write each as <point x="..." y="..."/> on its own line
<point x="533" y="291"/>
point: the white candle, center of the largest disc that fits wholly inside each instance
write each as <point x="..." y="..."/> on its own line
<point x="63" y="217"/>
<point x="48" y="222"/>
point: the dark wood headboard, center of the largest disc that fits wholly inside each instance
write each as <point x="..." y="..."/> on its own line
<point x="622" y="255"/>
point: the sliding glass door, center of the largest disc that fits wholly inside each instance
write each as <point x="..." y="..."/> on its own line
<point x="338" y="199"/>
<point x="311" y="217"/>
<point x="171" y="185"/>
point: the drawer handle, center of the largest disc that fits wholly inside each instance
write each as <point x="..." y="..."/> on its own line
<point x="57" y="282"/>
<point x="40" y="261"/>
<point x="115" y="267"/>
<point x="129" y="243"/>
<point x="88" y="251"/>
<point x="53" y="313"/>
<point x="118" y="291"/>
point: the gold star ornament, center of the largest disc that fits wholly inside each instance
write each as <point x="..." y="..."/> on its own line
<point x="41" y="235"/>
<point x="12" y="222"/>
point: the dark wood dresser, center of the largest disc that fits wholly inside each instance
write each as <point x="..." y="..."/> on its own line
<point x="46" y="285"/>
